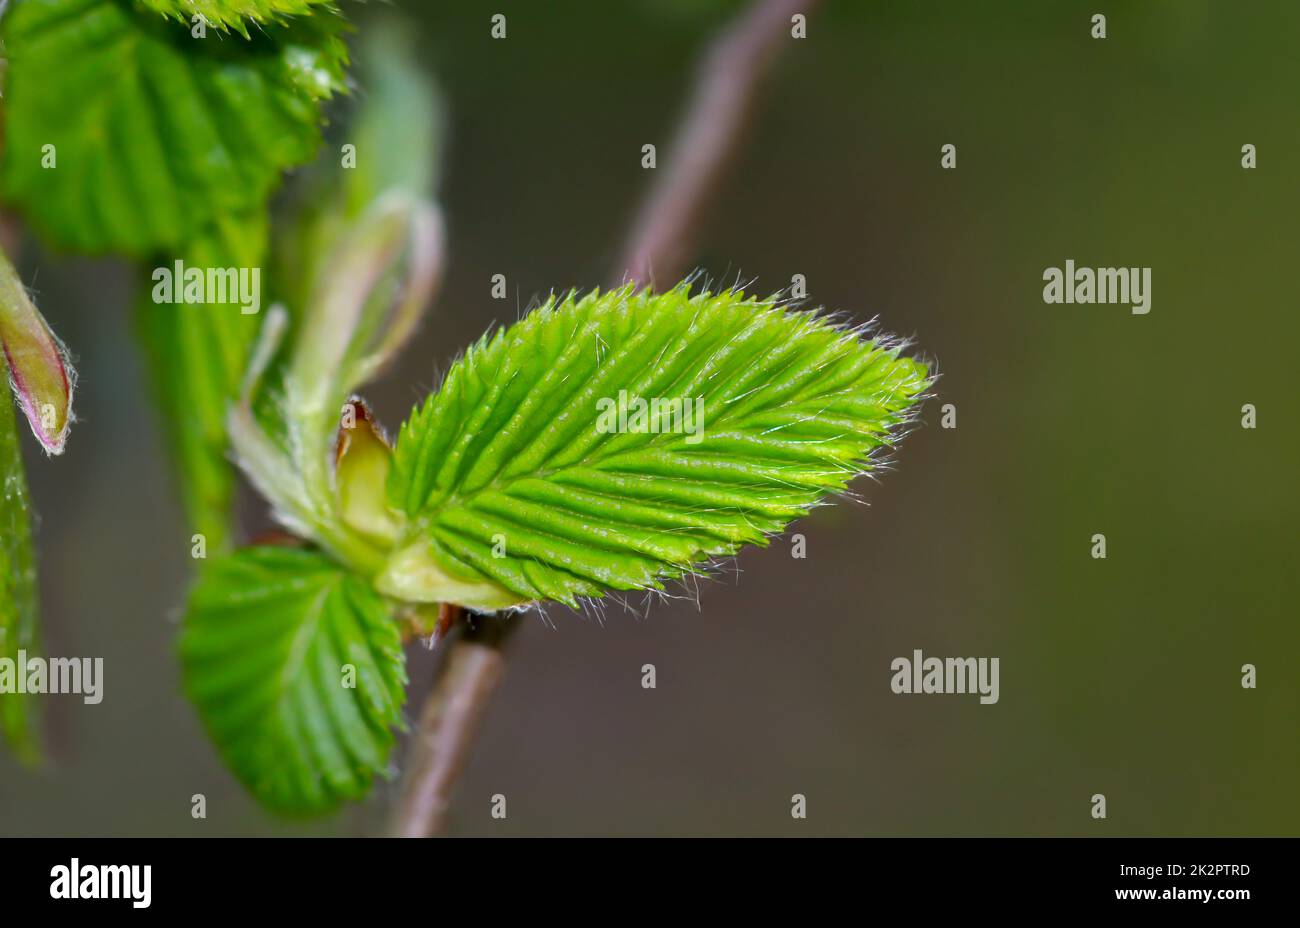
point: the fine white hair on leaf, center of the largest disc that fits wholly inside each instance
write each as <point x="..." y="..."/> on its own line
<point x="798" y="482"/>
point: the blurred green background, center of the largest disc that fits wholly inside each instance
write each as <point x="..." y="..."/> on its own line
<point x="1118" y="676"/>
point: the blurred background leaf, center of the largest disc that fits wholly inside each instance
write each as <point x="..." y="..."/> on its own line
<point x="18" y="711"/>
<point x="390" y="139"/>
<point x="125" y="134"/>
<point x="197" y="355"/>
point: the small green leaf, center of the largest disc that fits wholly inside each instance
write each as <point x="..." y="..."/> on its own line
<point x="198" y="353"/>
<point x="233" y="14"/>
<point x="271" y="641"/>
<point x="124" y="133"/>
<point x="17" y="584"/>
<point x="517" y="485"/>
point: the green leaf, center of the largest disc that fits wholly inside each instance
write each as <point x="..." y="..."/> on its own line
<point x="154" y="134"/>
<point x="198" y="353"/>
<point x="517" y="489"/>
<point x="266" y="648"/>
<point x="17" y="583"/>
<point x="232" y="14"/>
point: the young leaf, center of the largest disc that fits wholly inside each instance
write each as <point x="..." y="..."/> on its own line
<point x="17" y="584"/>
<point x="400" y="127"/>
<point x="357" y="269"/>
<point x="198" y="354"/>
<point x="367" y="302"/>
<point x="38" y="366"/>
<point x="392" y="145"/>
<point x="296" y="669"/>
<point x="231" y="14"/>
<point x="361" y="461"/>
<point x="521" y="481"/>
<point x="364" y="306"/>
<point x="125" y="133"/>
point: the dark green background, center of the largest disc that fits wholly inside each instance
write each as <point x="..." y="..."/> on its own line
<point x="1119" y="676"/>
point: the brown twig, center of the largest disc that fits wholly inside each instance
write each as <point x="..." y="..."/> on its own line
<point x="449" y="721"/>
<point x="725" y="91"/>
<point x="726" y="87"/>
